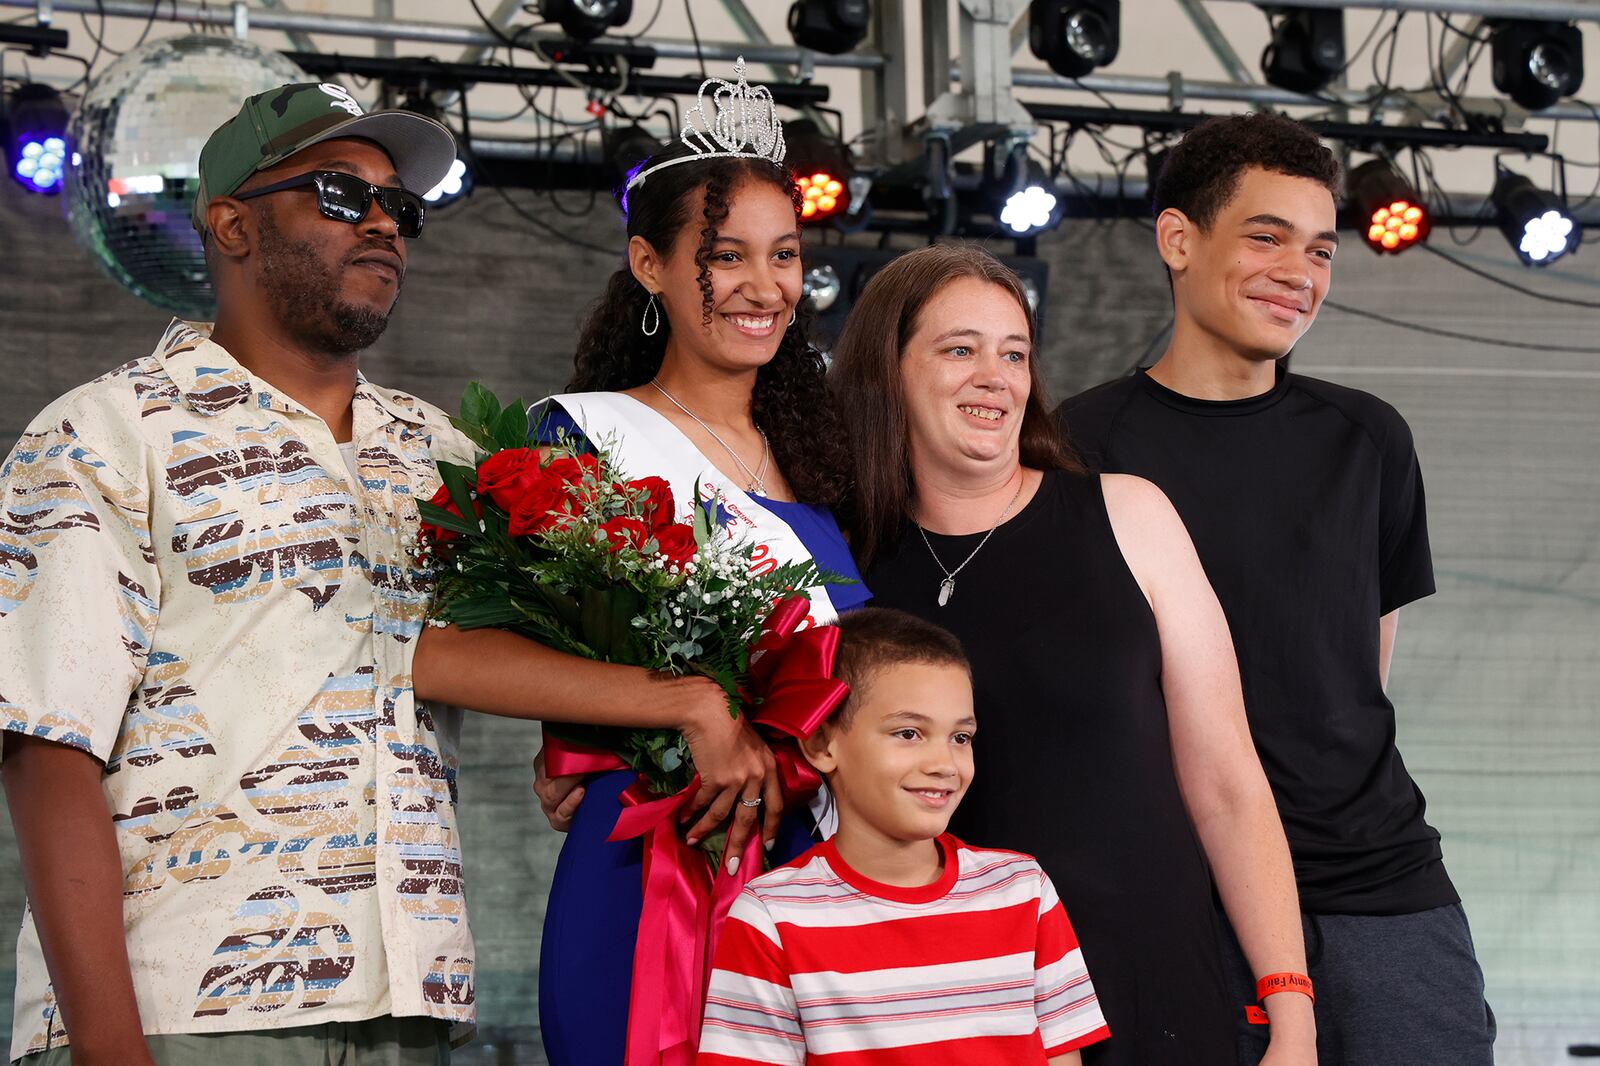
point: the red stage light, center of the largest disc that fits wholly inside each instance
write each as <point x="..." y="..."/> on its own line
<point x="1396" y="217"/>
<point x="821" y="195"/>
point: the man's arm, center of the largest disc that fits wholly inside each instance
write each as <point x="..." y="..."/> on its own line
<point x="73" y="875"/>
<point x="1386" y="630"/>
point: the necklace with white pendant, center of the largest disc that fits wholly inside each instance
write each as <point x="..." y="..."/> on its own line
<point x="947" y="587"/>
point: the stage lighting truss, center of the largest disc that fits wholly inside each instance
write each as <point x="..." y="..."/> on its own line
<point x="1307" y="48"/>
<point x="1536" y="223"/>
<point x="1027" y="198"/>
<point x="830" y="26"/>
<point x="584" y="20"/>
<point x="1536" y="63"/>
<point x="1075" y="36"/>
<point x="36" y="138"/>
<point x="1389" y="211"/>
<point x="824" y="170"/>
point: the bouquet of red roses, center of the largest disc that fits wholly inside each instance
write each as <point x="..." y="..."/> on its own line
<point x="562" y="547"/>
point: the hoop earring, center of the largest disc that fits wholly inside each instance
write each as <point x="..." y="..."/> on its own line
<point x="792" y="315"/>
<point x="650" y="321"/>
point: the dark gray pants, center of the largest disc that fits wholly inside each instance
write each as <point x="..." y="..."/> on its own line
<point x="1392" y="990"/>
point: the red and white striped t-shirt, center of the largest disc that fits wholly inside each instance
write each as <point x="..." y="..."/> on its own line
<point x="818" y="964"/>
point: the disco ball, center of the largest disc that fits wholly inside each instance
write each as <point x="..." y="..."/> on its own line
<point x="135" y="163"/>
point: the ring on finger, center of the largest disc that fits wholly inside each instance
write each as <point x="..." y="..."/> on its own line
<point x="750" y="802"/>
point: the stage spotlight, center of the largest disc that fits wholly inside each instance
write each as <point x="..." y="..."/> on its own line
<point x="1391" y="214"/>
<point x="1075" y="36"/>
<point x="36" y="138"/>
<point x="823" y="196"/>
<point x="452" y="187"/>
<point x="1030" y="203"/>
<point x="831" y="26"/>
<point x="1535" y="222"/>
<point x="1537" y="63"/>
<point x="1307" y="49"/>
<point x="626" y="147"/>
<point x="824" y="170"/>
<point x="584" y="20"/>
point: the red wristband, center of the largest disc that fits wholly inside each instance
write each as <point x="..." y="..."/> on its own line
<point x="1284" y="982"/>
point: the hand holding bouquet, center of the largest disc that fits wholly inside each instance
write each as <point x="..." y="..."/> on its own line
<point x="561" y="546"/>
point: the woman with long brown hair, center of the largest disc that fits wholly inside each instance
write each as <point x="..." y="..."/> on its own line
<point x="1114" y="745"/>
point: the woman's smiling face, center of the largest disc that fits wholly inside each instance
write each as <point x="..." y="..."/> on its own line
<point x="964" y="374"/>
<point x="754" y="279"/>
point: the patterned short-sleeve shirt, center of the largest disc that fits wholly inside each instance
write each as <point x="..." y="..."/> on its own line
<point x="194" y="591"/>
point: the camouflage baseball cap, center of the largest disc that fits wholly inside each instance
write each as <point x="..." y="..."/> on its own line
<point x="274" y="125"/>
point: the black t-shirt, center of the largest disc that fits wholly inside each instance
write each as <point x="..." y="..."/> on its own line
<point x="1306" y="507"/>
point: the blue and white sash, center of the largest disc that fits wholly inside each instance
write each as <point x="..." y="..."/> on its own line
<point x="643" y="444"/>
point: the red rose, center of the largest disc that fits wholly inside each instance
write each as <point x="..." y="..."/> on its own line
<point x="540" y="507"/>
<point x="654" y="498"/>
<point x="442" y="499"/>
<point x="573" y="469"/>
<point x="505" y="476"/>
<point x="624" y="531"/>
<point x="676" y="542"/>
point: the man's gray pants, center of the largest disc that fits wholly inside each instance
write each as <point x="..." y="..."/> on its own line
<point x="1392" y="990"/>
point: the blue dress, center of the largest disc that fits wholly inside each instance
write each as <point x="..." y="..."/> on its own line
<point x="596" y="895"/>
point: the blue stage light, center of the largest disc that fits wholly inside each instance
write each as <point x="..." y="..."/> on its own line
<point x="35" y="142"/>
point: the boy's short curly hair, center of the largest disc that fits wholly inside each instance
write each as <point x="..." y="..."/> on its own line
<point x="875" y="638"/>
<point x="1201" y="173"/>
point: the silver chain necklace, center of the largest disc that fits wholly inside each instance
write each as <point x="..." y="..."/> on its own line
<point x="758" y="483"/>
<point x="947" y="587"/>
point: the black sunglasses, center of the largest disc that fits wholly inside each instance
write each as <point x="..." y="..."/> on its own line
<point x="347" y="198"/>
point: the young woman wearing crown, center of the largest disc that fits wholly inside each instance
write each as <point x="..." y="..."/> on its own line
<point x="694" y="366"/>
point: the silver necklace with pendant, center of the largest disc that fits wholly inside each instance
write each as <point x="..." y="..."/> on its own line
<point x="757" y="481"/>
<point x="947" y="587"/>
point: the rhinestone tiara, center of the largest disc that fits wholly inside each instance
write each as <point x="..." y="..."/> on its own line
<point x="742" y="123"/>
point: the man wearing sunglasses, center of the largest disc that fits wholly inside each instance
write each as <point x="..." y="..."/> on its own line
<point x="237" y="826"/>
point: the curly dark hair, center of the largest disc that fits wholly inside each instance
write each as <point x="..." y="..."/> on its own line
<point x="791" y="402"/>
<point x="1201" y="173"/>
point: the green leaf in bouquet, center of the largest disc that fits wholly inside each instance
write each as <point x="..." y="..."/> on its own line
<point x="510" y="427"/>
<point x="479" y="406"/>
<point x="671" y="760"/>
<point x="705" y="517"/>
<point x="607" y="620"/>
<point x="476" y="434"/>
<point x="456" y="480"/>
<point x="564" y="607"/>
<point x="435" y="515"/>
<point x="483" y="610"/>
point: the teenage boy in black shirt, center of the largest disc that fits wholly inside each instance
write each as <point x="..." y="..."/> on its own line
<point x="1305" y="502"/>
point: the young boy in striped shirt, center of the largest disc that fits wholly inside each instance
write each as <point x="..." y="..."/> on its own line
<point x="894" y="943"/>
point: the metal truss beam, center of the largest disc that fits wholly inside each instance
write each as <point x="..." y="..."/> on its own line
<point x="1217" y="41"/>
<point x="1177" y="89"/>
<point x="984" y="98"/>
<point x="441" y="75"/>
<point x="1355" y="133"/>
<point x="438" y="32"/>
<point x="300" y="40"/>
<point x="1559" y="10"/>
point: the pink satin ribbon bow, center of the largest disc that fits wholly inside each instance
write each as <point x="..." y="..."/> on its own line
<point x="684" y="904"/>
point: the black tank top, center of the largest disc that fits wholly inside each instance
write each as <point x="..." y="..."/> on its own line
<point x="1074" y="762"/>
